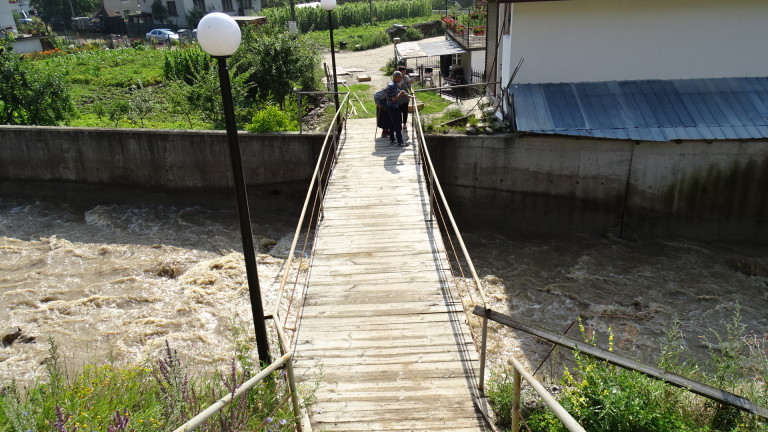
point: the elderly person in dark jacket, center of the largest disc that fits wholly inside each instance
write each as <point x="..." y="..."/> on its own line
<point x="395" y="97"/>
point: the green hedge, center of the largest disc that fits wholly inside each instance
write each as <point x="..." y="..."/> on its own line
<point x="349" y="14"/>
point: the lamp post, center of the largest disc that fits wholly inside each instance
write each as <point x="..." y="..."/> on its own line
<point x="330" y="5"/>
<point x="219" y="35"/>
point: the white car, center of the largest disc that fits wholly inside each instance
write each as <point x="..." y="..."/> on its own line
<point x="162" y="35"/>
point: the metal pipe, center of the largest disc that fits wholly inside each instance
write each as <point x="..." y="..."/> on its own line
<point x="333" y="62"/>
<point x="569" y="422"/>
<point x="483" y="347"/>
<point x="209" y="412"/>
<point x="254" y="291"/>
<point x="456" y="86"/>
<point x="516" y="402"/>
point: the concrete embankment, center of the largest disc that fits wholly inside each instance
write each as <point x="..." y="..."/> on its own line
<point x="557" y="185"/>
<point x="137" y="163"/>
<point x="530" y="185"/>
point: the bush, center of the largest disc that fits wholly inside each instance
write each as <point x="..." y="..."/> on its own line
<point x="412" y="34"/>
<point x="186" y="63"/>
<point x="274" y="62"/>
<point x="272" y="119"/>
<point x="30" y="96"/>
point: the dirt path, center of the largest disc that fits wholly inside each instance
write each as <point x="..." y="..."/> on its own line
<point x="369" y="61"/>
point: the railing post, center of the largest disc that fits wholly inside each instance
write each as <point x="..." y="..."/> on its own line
<point x="483" y="343"/>
<point x="294" y="393"/>
<point x="516" y="403"/>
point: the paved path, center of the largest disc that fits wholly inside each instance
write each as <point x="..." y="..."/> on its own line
<point x="379" y="317"/>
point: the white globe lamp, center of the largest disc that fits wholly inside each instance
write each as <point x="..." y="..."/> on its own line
<point x="328" y="5"/>
<point x="218" y="34"/>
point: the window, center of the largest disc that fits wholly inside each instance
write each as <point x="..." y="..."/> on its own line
<point x="199" y="5"/>
<point x="226" y="5"/>
<point x="172" y="8"/>
<point x="245" y="4"/>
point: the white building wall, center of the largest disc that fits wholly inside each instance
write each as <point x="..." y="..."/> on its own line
<point x="6" y="14"/>
<point x="603" y="40"/>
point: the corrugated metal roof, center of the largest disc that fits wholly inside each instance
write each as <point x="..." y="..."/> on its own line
<point x="651" y="110"/>
<point x="408" y="50"/>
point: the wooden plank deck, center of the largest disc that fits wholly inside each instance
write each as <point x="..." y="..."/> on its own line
<point x="381" y="328"/>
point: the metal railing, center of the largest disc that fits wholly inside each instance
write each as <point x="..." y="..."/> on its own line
<point x="441" y="213"/>
<point x="318" y="184"/>
<point x="467" y="38"/>
<point x="701" y="389"/>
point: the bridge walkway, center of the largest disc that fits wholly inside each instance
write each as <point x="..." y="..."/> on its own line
<point x="382" y="330"/>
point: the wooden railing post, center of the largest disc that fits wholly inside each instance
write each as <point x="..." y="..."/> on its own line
<point x="516" y="402"/>
<point x="483" y="345"/>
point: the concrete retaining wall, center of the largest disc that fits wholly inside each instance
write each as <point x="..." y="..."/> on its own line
<point x="152" y="158"/>
<point x="528" y="185"/>
<point x="556" y="185"/>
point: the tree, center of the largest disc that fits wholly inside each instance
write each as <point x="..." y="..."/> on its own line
<point x="194" y="16"/>
<point x="29" y="96"/>
<point x="276" y="61"/>
<point x="159" y="11"/>
<point x="63" y="9"/>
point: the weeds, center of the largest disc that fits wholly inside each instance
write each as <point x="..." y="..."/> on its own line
<point x="603" y="397"/>
<point x="158" y="395"/>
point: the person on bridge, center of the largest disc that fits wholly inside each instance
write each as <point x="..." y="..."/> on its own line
<point x="405" y="84"/>
<point x="395" y="97"/>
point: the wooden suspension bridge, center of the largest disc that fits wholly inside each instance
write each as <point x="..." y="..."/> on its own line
<point x="379" y="318"/>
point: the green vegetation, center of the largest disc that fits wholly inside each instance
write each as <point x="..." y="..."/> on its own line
<point x="272" y="119"/>
<point x="173" y="89"/>
<point x="29" y="95"/>
<point x="369" y="36"/>
<point x="602" y="397"/>
<point x="274" y="62"/>
<point x="160" y="394"/>
<point x="433" y="102"/>
<point x="362" y="93"/>
<point x="349" y="14"/>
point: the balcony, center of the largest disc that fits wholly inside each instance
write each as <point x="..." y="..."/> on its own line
<point x="467" y="30"/>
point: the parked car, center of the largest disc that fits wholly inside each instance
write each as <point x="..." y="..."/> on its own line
<point x="162" y="35"/>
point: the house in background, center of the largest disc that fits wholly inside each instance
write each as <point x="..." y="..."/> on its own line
<point x="178" y="10"/>
<point x="7" y="10"/>
<point x="670" y="94"/>
<point x="574" y="41"/>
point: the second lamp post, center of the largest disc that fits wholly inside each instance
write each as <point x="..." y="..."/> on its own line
<point x="330" y="5"/>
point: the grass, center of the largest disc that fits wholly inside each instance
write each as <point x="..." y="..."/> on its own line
<point x="364" y="93"/>
<point x="99" y="79"/>
<point x="602" y="397"/>
<point x="160" y="394"/>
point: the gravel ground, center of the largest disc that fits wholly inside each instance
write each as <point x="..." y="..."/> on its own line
<point x="369" y="61"/>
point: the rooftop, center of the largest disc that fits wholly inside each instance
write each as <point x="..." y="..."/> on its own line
<point x="648" y="110"/>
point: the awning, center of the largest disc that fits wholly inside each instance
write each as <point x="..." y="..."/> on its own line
<point x="411" y="50"/>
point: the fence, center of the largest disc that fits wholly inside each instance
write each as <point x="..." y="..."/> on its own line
<point x="466" y="38"/>
<point x="312" y="205"/>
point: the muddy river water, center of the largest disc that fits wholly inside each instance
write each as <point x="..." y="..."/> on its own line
<point x="113" y="282"/>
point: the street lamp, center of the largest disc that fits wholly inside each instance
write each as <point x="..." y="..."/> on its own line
<point x="330" y="5"/>
<point x="219" y="35"/>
